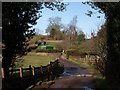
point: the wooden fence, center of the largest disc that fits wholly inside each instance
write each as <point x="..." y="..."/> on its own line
<point x="26" y="75"/>
<point x="32" y="71"/>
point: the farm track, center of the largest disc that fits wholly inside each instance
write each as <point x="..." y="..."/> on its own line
<point x="74" y="77"/>
<point x="70" y="78"/>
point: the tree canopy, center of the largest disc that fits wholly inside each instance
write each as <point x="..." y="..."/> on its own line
<point x="112" y="11"/>
<point x="81" y="37"/>
<point x="17" y="20"/>
<point x="54" y="28"/>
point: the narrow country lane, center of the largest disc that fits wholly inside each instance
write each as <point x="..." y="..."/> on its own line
<point x="74" y="77"/>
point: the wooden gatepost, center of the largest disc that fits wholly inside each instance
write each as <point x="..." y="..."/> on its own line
<point x="21" y="72"/>
<point x="21" y="78"/>
<point x="2" y="73"/>
<point x="33" y="71"/>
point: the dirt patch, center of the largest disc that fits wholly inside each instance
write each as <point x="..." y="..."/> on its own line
<point x="54" y="55"/>
<point x="42" y="54"/>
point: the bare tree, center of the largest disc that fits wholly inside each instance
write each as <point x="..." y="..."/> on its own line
<point x="70" y="34"/>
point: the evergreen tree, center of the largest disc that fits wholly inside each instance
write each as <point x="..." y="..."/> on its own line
<point x="17" y="20"/>
<point x="112" y="13"/>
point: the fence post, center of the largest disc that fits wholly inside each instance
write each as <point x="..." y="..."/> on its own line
<point x="21" y="79"/>
<point x="41" y="73"/>
<point x="48" y="70"/>
<point x="33" y="71"/>
<point x="41" y="69"/>
<point x="2" y="72"/>
<point x="21" y="72"/>
<point x="51" y="70"/>
<point x="57" y="65"/>
<point x="30" y="68"/>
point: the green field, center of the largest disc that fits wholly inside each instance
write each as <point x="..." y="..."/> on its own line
<point x="36" y="60"/>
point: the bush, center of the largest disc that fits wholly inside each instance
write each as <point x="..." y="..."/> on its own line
<point x="48" y="51"/>
<point x="75" y="52"/>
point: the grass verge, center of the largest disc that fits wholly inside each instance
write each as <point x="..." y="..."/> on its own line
<point x="80" y="62"/>
<point x="35" y="59"/>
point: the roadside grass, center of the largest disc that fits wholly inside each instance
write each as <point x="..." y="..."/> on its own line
<point x="80" y="62"/>
<point x="36" y="60"/>
<point x="99" y="80"/>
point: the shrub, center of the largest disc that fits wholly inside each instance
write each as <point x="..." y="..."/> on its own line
<point x="75" y="52"/>
<point x="48" y="51"/>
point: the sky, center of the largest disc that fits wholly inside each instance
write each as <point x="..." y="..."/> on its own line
<point x="85" y="23"/>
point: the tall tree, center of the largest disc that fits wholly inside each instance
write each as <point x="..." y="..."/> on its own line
<point x="112" y="66"/>
<point x="70" y="33"/>
<point x="81" y="37"/>
<point x="17" y="20"/>
<point x="54" y="27"/>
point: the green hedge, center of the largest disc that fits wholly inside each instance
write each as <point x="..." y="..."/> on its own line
<point x="48" y="51"/>
<point x="75" y="52"/>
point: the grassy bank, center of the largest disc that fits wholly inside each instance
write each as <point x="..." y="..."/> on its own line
<point x="35" y="59"/>
<point x="99" y="80"/>
<point x="82" y="62"/>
